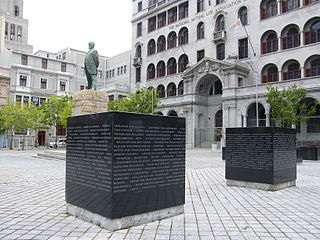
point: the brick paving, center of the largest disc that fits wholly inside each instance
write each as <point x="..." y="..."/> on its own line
<point x="32" y="205"/>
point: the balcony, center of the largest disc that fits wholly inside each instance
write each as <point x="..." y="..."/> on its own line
<point x="219" y="36"/>
<point x="137" y="62"/>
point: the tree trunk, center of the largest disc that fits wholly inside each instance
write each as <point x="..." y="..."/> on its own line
<point x="56" y="145"/>
<point x="11" y="140"/>
<point x="23" y="139"/>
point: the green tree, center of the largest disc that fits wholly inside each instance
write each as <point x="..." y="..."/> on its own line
<point x="142" y="101"/>
<point x="56" y="111"/>
<point x="13" y="117"/>
<point x="287" y="105"/>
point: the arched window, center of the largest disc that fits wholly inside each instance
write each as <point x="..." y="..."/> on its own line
<point x="269" y="42"/>
<point x="312" y="32"/>
<point x="252" y="115"/>
<point x="270" y="73"/>
<point x="161" y="69"/>
<point x="291" y="70"/>
<point x="161" y="44"/>
<point x="180" y="88"/>
<point x="312" y="66"/>
<point x="217" y="87"/>
<point x="290" y="37"/>
<point x="218" y="124"/>
<point x="171" y="90"/>
<point x="243" y="15"/>
<point x="172" y="40"/>
<point x="183" y="36"/>
<point x="220" y="23"/>
<point x="138" y="51"/>
<point x="268" y="8"/>
<point x="161" y="91"/>
<point x="151" y="47"/>
<point x="172" y="66"/>
<point x="221" y="51"/>
<point x="200" y="30"/>
<point x="288" y="5"/>
<point x="182" y="63"/>
<point x="151" y="71"/>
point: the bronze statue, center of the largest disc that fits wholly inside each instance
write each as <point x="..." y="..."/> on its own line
<point x="91" y="63"/>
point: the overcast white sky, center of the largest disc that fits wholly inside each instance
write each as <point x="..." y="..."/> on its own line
<point x="56" y="24"/>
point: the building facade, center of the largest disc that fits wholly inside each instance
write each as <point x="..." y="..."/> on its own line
<point x="210" y="60"/>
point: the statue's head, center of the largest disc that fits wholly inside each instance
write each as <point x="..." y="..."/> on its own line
<point x="91" y="45"/>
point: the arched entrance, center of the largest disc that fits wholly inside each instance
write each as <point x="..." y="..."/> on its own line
<point x="252" y="120"/>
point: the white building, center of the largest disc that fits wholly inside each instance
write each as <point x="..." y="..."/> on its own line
<point x="211" y="69"/>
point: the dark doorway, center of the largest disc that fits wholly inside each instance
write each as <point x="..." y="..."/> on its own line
<point x="41" y="138"/>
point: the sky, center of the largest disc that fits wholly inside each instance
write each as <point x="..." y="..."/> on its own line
<point x="57" y="24"/>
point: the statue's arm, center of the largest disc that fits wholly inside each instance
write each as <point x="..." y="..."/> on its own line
<point x="96" y="58"/>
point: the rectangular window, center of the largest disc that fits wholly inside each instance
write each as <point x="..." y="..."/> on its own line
<point x="6" y="30"/>
<point x="24" y="60"/>
<point x="125" y="69"/>
<point x="44" y="63"/>
<point x="25" y="100"/>
<point x="112" y="72"/>
<point x="118" y="71"/>
<point x="19" y="33"/>
<point x="152" y="24"/>
<point x="200" y="55"/>
<point x="81" y="87"/>
<point x="172" y="15"/>
<point x="162" y="19"/>
<point x="43" y="84"/>
<point x="16" y="11"/>
<point x="139" y="6"/>
<point x="64" y="56"/>
<point x="121" y="70"/>
<point x="200" y="5"/>
<point x="139" y="29"/>
<point x="23" y="80"/>
<point x="12" y="32"/>
<point x="18" y="100"/>
<point x="62" y="86"/>
<point x="152" y="4"/>
<point x="240" y="82"/>
<point x="42" y="101"/>
<point x="63" y="67"/>
<point x="111" y="98"/>
<point x="183" y="10"/>
<point x="138" y="74"/>
<point x="243" y="48"/>
<point x="35" y="100"/>
<point x="61" y="130"/>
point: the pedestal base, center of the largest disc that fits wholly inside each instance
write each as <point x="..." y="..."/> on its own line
<point x="124" y="222"/>
<point x="89" y="102"/>
<point x="261" y="186"/>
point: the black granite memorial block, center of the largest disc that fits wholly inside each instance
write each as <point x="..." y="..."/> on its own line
<point x="261" y="154"/>
<point x="123" y="164"/>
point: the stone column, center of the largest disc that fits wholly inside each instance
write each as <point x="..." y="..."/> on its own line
<point x="89" y="102"/>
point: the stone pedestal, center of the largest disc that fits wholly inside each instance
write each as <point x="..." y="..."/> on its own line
<point x="89" y="102"/>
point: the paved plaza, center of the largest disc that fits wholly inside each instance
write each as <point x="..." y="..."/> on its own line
<point x="32" y="205"/>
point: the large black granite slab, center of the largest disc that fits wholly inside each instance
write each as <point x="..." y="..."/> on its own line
<point x="261" y="154"/>
<point x="122" y="164"/>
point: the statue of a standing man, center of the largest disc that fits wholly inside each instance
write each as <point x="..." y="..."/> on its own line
<point x="91" y="63"/>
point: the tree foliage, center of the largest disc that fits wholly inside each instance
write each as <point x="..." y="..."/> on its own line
<point x="142" y="101"/>
<point x="288" y="106"/>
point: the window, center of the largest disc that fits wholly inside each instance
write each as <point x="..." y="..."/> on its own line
<point x="61" y="131"/>
<point x="217" y="87"/>
<point x="150" y="72"/>
<point x="183" y="63"/>
<point x="220" y="23"/>
<point x="172" y="15"/>
<point x="152" y="4"/>
<point x="64" y="55"/>
<point x="291" y="70"/>
<point x="43" y="83"/>
<point x="19" y="33"/>
<point x="63" y="67"/>
<point x="139" y="29"/>
<point x="315" y="68"/>
<point x="172" y="40"/>
<point x="240" y="82"/>
<point x="6" y="30"/>
<point x="161" y="69"/>
<point x="172" y="66"/>
<point x="111" y="98"/>
<point x="162" y="19"/>
<point x="62" y="86"/>
<point x="139" y="6"/>
<point x="81" y="87"/>
<point x="23" y="80"/>
<point x="243" y="15"/>
<point x="183" y="10"/>
<point x="183" y="36"/>
<point x="151" y="47"/>
<point x="112" y="72"/>
<point x="221" y="51"/>
<point x="270" y="73"/>
<point x="99" y="74"/>
<point x="171" y="90"/>
<point x="161" y="44"/>
<point x="291" y="39"/>
<point x="18" y="100"/>
<point x="181" y="88"/>
<point x="44" y="63"/>
<point x="12" y="32"/>
<point x="121" y="70"/>
<point x="118" y="71"/>
<point x="25" y="100"/>
<point x="24" y="60"/>
<point x="269" y="43"/>
<point x="42" y="101"/>
<point x="288" y="5"/>
<point x="16" y="11"/>
<point x="200" y="55"/>
<point x="125" y="69"/>
<point x="161" y="91"/>
<point x="269" y="8"/>
<point x="313" y="35"/>
<point x="138" y="74"/>
<point x="219" y="1"/>
<point x="243" y="48"/>
<point x="200" y="5"/>
<point x="307" y="2"/>
<point x="200" y="30"/>
<point x="151" y="24"/>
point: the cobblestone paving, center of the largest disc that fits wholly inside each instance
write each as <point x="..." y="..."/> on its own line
<point x="32" y="205"/>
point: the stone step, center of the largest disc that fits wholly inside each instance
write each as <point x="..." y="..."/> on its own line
<point x="51" y="155"/>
